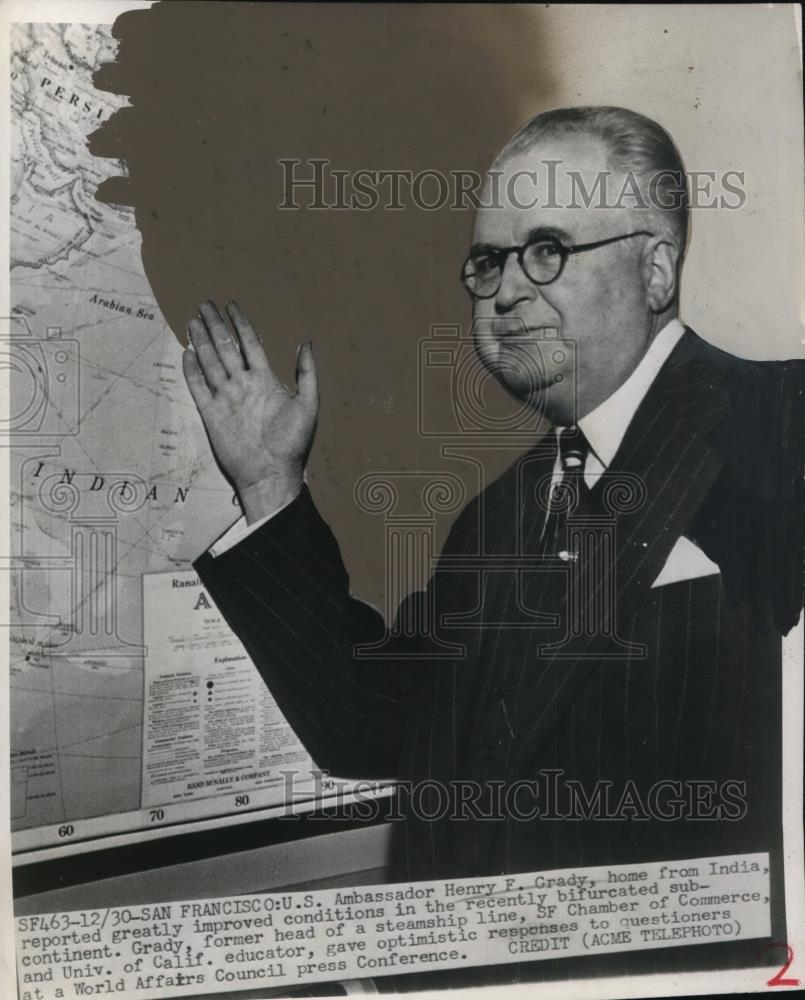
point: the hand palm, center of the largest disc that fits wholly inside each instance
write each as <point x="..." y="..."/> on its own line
<point x="260" y="432"/>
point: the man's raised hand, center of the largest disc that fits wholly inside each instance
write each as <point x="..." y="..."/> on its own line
<point x="260" y="432"/>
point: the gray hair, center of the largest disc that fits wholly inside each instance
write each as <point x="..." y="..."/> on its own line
<point x="636" y="144"/>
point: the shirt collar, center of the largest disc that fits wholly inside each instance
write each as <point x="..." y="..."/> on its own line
<point x="605" y="426"/>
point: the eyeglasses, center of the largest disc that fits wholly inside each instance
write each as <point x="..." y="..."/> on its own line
<point x="542" y="260"/>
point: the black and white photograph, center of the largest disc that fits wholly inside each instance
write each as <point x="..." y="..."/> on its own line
<point x="403" y="444"/>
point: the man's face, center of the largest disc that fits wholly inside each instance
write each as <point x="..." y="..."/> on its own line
<point x="586" y="331"/>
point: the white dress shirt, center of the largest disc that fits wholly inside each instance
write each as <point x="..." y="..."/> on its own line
<point x="604" y="428"/>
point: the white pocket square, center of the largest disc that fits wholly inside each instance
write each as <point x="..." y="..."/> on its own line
<point x="686" y="562"/>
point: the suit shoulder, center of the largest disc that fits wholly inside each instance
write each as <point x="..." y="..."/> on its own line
<point x="761" y="442"/>
<point x="753" y="521"/>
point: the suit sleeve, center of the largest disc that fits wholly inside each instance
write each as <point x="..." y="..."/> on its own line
<point x="285" y="592"/>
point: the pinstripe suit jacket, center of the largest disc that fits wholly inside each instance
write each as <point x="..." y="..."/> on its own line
<point x="697" y="698"/>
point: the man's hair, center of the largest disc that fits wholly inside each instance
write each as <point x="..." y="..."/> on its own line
<point x="635" y="143"/>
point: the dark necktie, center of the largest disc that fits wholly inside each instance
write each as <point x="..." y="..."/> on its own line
<point x="570" y="490"/>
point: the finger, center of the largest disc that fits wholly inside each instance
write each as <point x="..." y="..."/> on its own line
<point x="206" y="354"/>
<point x="307" y="380"/>
<point x="250" y="342"/>
<point x="220" y="336"/>
<point x="194" y="377"/>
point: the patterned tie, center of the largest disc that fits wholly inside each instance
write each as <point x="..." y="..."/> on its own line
<point x="569" y="490"/>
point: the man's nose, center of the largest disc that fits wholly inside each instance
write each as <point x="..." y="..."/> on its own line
<point x="515" y="285"/>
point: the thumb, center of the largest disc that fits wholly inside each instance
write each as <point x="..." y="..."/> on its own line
<point x="307" y="382"/>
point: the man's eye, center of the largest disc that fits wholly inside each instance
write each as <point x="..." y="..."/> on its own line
<point x="485" y="265"/>
<point x="543" y="251"/>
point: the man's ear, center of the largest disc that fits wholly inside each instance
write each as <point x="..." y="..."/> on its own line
<point x="661" y="272"/>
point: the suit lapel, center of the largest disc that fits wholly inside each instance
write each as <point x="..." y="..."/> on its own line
<point x="667" y="456"/>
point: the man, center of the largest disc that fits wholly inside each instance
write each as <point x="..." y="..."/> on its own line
<point x="672" y="470"/>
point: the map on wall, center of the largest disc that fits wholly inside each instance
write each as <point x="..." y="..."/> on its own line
<point x="121" y="714"/>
